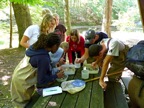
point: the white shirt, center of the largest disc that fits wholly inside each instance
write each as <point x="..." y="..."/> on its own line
<point x="32" y="32"/>
<point x="114" y="46"/>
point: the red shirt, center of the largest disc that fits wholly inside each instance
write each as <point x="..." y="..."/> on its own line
<point x="75" y="47"/>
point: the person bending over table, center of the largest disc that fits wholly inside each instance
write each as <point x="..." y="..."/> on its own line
<point x="91" y="37"/>
<point x="110" y="52"/>
<point x="34" y="69"/>
<point x="76" y="45"/>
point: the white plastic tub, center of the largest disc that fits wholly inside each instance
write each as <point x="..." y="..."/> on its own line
<point x="90" y="69"/>
<point x="69" y="69"/>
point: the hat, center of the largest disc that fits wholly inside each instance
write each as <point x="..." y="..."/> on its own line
<point x="94" y="50"/>
<point x="90" y="34"/>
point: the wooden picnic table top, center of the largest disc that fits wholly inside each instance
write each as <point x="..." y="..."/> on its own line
<point x="90" y="97"/>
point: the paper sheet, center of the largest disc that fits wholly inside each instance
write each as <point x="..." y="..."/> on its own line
<point x="52" y="91"/>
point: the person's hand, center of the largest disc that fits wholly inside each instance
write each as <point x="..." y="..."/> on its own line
<point x="60" y="68"/>
<point x="102" y="84"/>
<point x="60" y="74"/>
<point x="78" y="60"/>
<point x="94" y="65"/>
<point x="62" y="61"/>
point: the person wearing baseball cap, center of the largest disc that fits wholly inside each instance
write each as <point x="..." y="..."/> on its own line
<point x="91" y="37"/>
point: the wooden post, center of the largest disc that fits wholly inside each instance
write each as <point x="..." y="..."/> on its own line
<point x="141" y="9"/>
<point x="106" y="26"/>
<point x="67" y="16"/>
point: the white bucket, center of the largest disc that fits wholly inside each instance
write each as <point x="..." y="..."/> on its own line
<point x="84" y="74"/>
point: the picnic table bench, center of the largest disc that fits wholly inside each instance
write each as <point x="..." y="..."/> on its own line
<point x="92" y="96"/>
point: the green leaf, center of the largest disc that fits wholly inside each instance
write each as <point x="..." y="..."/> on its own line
<point x="30" y="2"/>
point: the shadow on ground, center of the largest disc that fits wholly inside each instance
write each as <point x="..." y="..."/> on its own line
<point x="9" y="58"/>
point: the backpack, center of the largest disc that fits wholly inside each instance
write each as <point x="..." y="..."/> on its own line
<point x="135" y="62"/>
<point x="135" y="59"/>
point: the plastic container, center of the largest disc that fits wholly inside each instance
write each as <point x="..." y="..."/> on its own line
<point x="69" y="69"/>
<point x="90" y="69"/>
<point x="62" y="79"/>
<point x="84" y="74"/>
<point x="77" y="65"/>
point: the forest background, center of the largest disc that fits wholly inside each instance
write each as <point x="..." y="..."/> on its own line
<point x="83" y="15"/>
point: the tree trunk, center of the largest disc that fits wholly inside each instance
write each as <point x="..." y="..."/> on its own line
<point x="67" y="16"/>
<point x="107" y="17"/>
<point x="10" y="45"/>
<point x="22" y="17"/>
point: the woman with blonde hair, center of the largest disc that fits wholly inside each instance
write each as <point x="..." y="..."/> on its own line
<point x="31" y="34"/>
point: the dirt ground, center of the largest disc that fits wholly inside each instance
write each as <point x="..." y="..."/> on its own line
<point x="9" y="58"/>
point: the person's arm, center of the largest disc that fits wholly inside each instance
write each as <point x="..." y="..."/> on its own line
<point x="97" y="62"/>
<point x="24" y="42"/>
<point x="27" y="36"/>
<point x="105" y="65"/>
<point x="84" y="57"/>
<point x="44" y="72"/>
<point x="65" y="36"/>
<point x="61" y="61"/>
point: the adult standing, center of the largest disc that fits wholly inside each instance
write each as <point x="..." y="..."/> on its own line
<point x="32" y="33"/>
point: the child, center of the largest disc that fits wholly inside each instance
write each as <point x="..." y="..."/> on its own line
<point x="59" y="58"/>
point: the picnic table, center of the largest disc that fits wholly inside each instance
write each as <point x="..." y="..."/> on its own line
<point x="92" y="96"/>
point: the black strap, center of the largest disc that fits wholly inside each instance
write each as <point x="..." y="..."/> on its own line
<point x="108" y="43"/>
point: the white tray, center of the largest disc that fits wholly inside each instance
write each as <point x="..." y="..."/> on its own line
<point x="69" y="69"/>
<point x="90" y="69"/>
